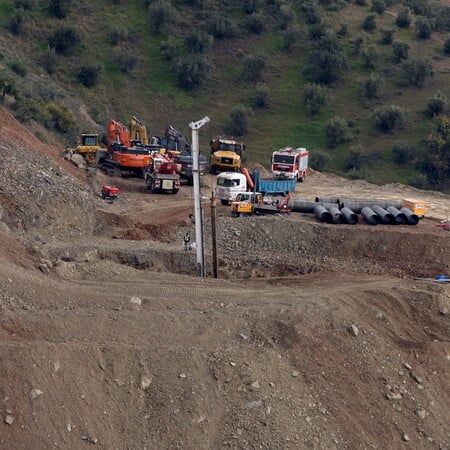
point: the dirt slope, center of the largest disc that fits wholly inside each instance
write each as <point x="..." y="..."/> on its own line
<point x="314" y="336"/>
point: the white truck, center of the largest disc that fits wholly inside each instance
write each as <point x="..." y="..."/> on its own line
<point x="230" y="184"/>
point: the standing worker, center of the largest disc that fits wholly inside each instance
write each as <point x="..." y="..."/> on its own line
<point x="187" y="241"/>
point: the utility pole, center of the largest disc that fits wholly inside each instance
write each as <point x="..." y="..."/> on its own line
<point x="214" y="235"/>
<point x="195" y="126"/>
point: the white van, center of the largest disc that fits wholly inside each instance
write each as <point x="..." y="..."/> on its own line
<point x="228" y="186"/>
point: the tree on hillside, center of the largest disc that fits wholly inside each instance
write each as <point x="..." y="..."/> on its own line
<point x="336" y="131"/>
<point x="387" y="118"/>
<point x="220" y="26"/>
<point x="400" y="51"/>
<point x="423" y="28"/>
<point x="372" y="87"/>
<point x="238" y="121"/>
<point x="437" y="104"/>
<point x="254" y="67"/>
<point x="16" y="21"/>
<point x="327" y="59"/>
<point x="403" y="19"/>
<point x="192" y="71"/>
<point x="435" y="163"/>
<point x="64" y="40"/>
<point x="417" y="70"/>
<point x="59" y="8"/>
<point x="198" y="42"/>
<point x="162" y="14"/>
<point x="315" y="97"/>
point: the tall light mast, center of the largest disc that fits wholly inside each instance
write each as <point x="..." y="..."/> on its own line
<point x="195" y="126"/>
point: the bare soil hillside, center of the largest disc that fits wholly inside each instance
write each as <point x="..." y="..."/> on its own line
<point x="314" y="336"/>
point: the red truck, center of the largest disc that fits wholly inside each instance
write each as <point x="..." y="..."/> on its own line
<point x="290" y="163"/>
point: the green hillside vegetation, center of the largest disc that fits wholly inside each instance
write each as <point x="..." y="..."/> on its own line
<point x="363" y="84"/>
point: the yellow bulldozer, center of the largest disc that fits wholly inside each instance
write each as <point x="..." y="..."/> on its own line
<point x="88" y="146"/>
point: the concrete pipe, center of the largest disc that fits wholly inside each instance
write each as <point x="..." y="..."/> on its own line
<point x="349" y="216"/>
<point x="322" y="214"/>
<point x="399" y="217"/>
<point x="370" y="216"/>
<point x="356" y="205"/>
<point x="411" y="218"/>
<point x="301" y="205"/>
<point x="336" y="215"/>
<point x="386" y="217"/>
<point x="327" y="200"/>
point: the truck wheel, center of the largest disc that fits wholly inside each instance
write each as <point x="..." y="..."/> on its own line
<point x="174" y="191"/>
<point x="302" y="178"/>
<point x="235" y="214"/>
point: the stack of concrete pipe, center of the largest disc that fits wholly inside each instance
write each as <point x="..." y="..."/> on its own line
<point x="345" y="210"/>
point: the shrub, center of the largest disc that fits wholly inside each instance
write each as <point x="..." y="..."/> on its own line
<point x="353" y="161"/>
<point x="336" y="131"/>
<point x="361" y="2"/>
<point x="400" y="51"/>
<point x="192" y="71"/>
<point x="88" y="75"/>
<point x="370" y="22"/>
<point x="388" y="118"/>
<point x="251" y="6"/>
<point x="372" y="88"/>
<point x="261" y="99"/>
<point x="16" y="22"/>
<point x="419" y="181"/>
<point x="61" y="118"/>
<point x="378" y="7"/>
<point x="437" y="104"/>
<point x="402" y="153"/>
<point x="26" y="5"/>
<point x="369" y="55"/>
<point x="423" y="28"/>
<point x="18" y="67"/>
<point x="198" y="42"/>
<point x="59" y="8"/>
<point x="327" y="60"/>
<point x="126" y="61"/>
<point x="403" y="19"/>
<point x="118" y="35"/>
<point x="255" y="23"/>
<point x="343" y="29"/>
<point x="359" y="42"/>
<point x="387" y="36"/>
<point x="315" y="97"/>
<point x="312" y="11"/>
<point x="64" y="41"/>
<point x="319" y="160"/>
<point x="291" y="36"/>
<point x="220" y="26"/>
<point x="417" y="70"/>
<point x="447" y="46"/>
<point x="168" y="48"/>
<point x="162" y="14"/>
<point x="6" y="88"/>
<point x="285" y="16"/>
<point x="238" y="121"/>
<point x="254" y="67"/>
<point x="48" y="60"/>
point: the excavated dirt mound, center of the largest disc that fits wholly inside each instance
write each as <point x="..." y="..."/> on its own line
<point x="314" y="336"/>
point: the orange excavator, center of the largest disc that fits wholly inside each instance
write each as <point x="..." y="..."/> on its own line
<point x="120" y="158"/>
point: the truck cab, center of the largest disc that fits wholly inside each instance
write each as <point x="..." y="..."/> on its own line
<point x="229" y="185"/>
<point x="225" y="155"/>
<point x="290" y="163"/>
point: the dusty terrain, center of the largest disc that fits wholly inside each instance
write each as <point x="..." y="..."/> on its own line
<point x="314" y="336"/>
